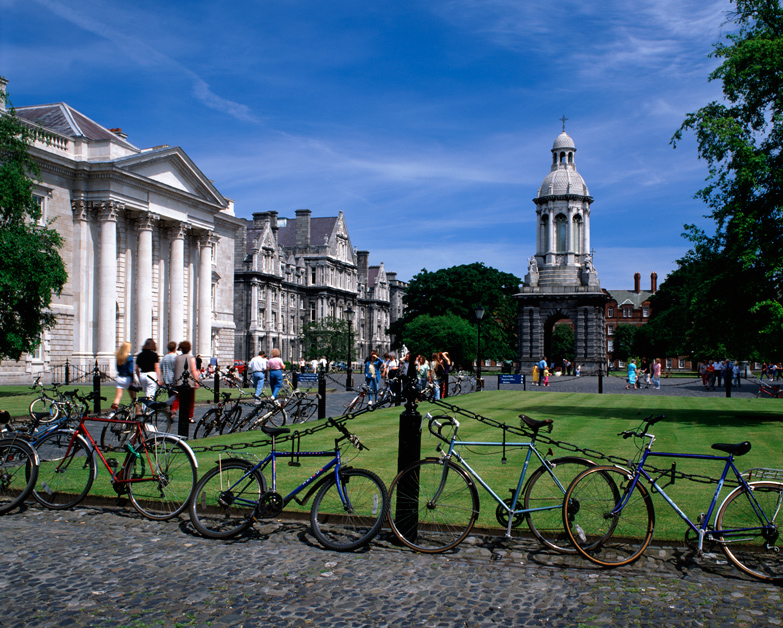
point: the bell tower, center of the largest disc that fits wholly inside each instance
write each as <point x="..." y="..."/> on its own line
<point x="561" y="283"/>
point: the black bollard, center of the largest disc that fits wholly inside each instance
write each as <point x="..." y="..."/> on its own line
<point x="67" y="372"/>
<point x="727" y="378"/>
<point x="96" y="387"/>
<point x="321" y="395"/>
<point x="409" y="451"/>
<point x="217" y="384"/>
<point x="600" y="379"/>
<point x="183" y="424"/>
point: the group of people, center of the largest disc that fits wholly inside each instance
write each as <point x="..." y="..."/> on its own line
<point x="177" y="369"/>
<point x="428" y="372"/>
<point x="260" y="368"/>
<point x="719" y="373"/>
<point x="649" y="372"/>
<point x="772" y="370"/>
<point x="543" y="370"/>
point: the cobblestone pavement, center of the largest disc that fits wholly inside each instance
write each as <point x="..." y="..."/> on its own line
<point x="109" y="567"/>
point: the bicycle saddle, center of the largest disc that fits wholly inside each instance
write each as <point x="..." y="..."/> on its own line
<point x="154" y="405"/>
<point x="274" y="431"/>
<point x="740" y="449"/>
<point x="533" y="424"/>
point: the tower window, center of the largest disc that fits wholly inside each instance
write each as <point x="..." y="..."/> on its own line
<point x="560" y="226"/>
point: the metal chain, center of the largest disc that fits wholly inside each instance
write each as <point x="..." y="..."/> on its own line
<point x="570" y="447"/>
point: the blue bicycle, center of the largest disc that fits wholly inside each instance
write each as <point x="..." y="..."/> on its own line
<point x="347" y="512"/>
<point x="611" y="523"/>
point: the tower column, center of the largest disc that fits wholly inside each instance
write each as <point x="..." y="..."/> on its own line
<point x="107" y="283"/>
<point x="144" y="280"/>
<point x="204" y="328"/>
<point x="177" y="284"/>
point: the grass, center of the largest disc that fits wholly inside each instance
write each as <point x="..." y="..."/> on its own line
<point x="590" y="421"/>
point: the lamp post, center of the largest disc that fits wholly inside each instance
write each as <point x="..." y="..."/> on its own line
<point x="479" y="312"/>
<point x="349" y="377"/>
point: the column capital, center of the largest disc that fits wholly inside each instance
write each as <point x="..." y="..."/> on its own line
<point x="205" y="238"/>
<point x="176" y="230"/>
<point x="144" y="221"/>
<point x="107" y="210"/>
<point x="80" y="209"/>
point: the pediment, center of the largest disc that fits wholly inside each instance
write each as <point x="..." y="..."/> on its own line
<point x="173" y="168"/>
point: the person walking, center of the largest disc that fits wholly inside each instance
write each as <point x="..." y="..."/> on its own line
<point x="257" y="367"/>
<point x="275" y="366"/>
<point x="124" y="374"/>
<point x="632" y="375"/>
<point x="542" y="365"/>
<point x="148" y="368"/>
<point x="167" y="371"/>
<point x="546" y="376"/>
<point x="373" y="366"/>
<point x="188" y="379"/>
<point x="656" y="373"/>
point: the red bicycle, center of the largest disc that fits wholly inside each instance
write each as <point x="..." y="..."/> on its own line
<point x="770" y="391"/>
<point x="158" y="473"/>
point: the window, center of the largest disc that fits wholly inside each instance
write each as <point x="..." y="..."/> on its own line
<point x="560" y="233"/>
<point x="41" y="202"/>
<point x="668" y="363"/>
<point x="312" y="276"/>
<point x="610" y="331"/>
<point x="620" y="364"/>
<point x="312" y="312"/>
<point x="610" y="312"/>
<point x="610" y="345"/>
<point x="627" y="311"/>
<point x="645" y="312"/>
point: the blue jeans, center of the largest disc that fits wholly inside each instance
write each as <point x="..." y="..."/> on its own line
<point x="372" y="384"/>
<point x="275" y="382"/>
<point x="258" y="382"/>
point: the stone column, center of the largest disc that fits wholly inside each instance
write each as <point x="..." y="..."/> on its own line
<point x="204" y="320"/>
<point x="177" y="285"/>
<point x="107" y="284"/>
<point x="82" y="342"/>
<point x="144" y="280"/>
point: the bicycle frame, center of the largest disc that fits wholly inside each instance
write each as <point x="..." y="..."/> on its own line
<point x="700" y="529"/>
<point x="531" y="449"/>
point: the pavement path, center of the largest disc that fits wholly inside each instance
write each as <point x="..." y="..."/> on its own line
<point x="110" y="568"/>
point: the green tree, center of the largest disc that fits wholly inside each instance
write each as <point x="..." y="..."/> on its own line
<point x="735" y="306"/>
<point x="328" y="337"/>
<point x="562" y="344"/>
<point x="624" y="336"/>
<point x="427" y="334"/>
<point x="31" y="269"/>
<point x="458" y="290"/>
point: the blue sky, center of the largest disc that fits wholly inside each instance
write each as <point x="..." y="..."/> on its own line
<point x="429" y="124"/>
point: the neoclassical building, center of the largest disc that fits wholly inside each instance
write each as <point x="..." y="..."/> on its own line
<point x="561" y="283"/>
<point x="290" y="271"/>
<point x="148" y="245"/>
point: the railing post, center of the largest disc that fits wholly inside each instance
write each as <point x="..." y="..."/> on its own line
<point x="408" y="452"/>
<point x="600" y="379"/>
<point x="217" y="384"/>
<point x="67" y="372"/>
<point x="96" y="387"/>
<point x="294" y="379"/>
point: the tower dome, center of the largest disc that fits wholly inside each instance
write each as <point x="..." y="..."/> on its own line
<point x="563" y="179"/>
<point x="563" y="141"/>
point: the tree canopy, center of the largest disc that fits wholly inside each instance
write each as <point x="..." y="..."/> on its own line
<point x="329" y="337"/>
<point x="31" y="269"/>
<point x="457" y="291"/>
<point x="728" y="288"/>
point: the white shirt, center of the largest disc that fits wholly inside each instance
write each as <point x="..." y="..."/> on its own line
<point x="258" y="364"/>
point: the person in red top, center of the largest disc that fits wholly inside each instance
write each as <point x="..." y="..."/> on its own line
<point x="276" y="368"/>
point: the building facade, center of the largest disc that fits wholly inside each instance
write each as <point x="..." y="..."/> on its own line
<point x="148" y="246"/>
<point x="291" y="271"/>
<point x="562" y="284"/>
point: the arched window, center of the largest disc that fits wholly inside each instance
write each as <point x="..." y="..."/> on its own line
<point x="560" y="233"/>
<point x="578" y="234"/>
<point x="562" y="157"/>
<point x="570" y="158"/>
<point x="544" y="233"/>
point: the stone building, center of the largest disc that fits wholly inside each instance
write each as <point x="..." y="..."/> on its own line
<point x="290" y="271"/>
<point x="561" y="284"/>
<point x="148" y="246"/>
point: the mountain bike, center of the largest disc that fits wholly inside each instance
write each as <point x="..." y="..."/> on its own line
<point x="18" y="469"/>
<point x="156" y="414"/>
<point x="612" y="523"/>
<point x="347" y="511"/>
<point x="220" y="418"/>
<point x="434" y="502"/>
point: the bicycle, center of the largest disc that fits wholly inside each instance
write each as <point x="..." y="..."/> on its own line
<point x="347" y="512"/>
<point x="48" y="404"/>
<point x="773" y="391"/>
<point x="612" y="523"/>
<point x="435" y="501"/>
<point x="18" y="469"/>
<point x="359" y="402"/>
<point x="156" y="414"/>
<point x="158" y="472"/>
<point x="462" y="382"/>
<point x="218" y="418"/>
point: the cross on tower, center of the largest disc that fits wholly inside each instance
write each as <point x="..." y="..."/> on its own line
<point x="563" y="120"/>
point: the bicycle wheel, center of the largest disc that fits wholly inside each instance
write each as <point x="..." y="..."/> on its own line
<point x="226" y="498"/>
<point x="544" y="492"/>
<point x="357" y="403"/>
<point x="430" y="511"/>
<point x="347" y="525"/>
<point x="207" y="424"/>
<point x="744" y="540"/>
<point x="161" y="420"/>
<point x="66" y="470"/>
<point x="605" y="539"/>
<point x="18" y="473"/>
<point x="163" y="476"/>
<point x="46" y="410"/>
<point x="115" y="435"/>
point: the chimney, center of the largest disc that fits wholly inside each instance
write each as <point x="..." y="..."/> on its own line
<point x="303" y="228"/>
<point x="3" y="83"/>
<point x="118" y="132"/>
<point x="654" y="282"/>
<point x="260" y="219"/>
<point x="637" y="283"/>
<point x="362" y="259"/>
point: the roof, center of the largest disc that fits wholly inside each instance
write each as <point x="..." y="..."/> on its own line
<point x="320" y="230"/>
<point x="64" y="120"/>
<point x="629" y="297"/>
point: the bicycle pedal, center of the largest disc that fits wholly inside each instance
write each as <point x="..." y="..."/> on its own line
<point x="112" y="462"/>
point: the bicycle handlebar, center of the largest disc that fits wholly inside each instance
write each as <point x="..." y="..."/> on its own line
<point x="352" y="438"/>
<point x="449" y="422"/>
<point x="643" y="432"/>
